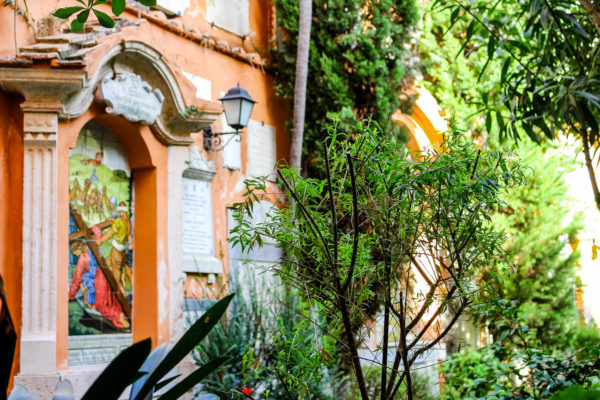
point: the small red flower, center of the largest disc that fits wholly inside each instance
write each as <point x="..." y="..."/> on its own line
<point x="247" y="391"/>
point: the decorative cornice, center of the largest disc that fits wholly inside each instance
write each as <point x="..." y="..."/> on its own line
<point x="70" y="92"/>
<point x="42" y="88"/>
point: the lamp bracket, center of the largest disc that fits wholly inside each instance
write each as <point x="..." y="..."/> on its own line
<point x="212" y="140"/>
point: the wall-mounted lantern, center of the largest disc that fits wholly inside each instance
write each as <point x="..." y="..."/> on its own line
<point x="238" y="107"/>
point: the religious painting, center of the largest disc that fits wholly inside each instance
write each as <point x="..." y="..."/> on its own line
<point x="100" y="234"/>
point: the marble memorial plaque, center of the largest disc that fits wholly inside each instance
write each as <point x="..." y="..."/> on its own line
<point x="197" y="217"/>
<point x="262" y="151"/>
<point x="131" y="97"/>
<point x="232" y="147"/>
<point x="231" y="15"/>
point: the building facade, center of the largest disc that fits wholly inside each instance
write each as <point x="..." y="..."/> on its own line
<point x="114" y="214"/>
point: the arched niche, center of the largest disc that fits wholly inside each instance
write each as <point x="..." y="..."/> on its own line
<point x="101" y="205"/>
<point x="129" y="150"/>
<point x="176" y="120"/>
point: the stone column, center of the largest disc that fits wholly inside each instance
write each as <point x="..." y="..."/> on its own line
<point x="38" y="331"/>
<point x="176" y="165"/>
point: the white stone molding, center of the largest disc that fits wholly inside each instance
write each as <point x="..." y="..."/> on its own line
<point x="74" y="90"/>
<point x="38" y="331"/>
<point x="177" y="157"/>
<point x="177" y="120"/>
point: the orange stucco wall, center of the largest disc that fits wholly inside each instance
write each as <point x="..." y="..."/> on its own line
<point x="147" y="156"/>
<point x="11" y="204"/>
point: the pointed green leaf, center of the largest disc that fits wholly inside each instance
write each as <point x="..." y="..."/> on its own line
<point x="504" y="70"/>
<point x="118" y="6"/>
<point x="66" y="12"/>
<point x="193" y="379"/>
<point x="119" y="373"/>
<point x="83" y="16"/>
<point x="188" y="341"/>
<point x="165" y="382"/>
<point x="104" y="19"/>
<point x="527" y="127"/>
<point x="491" y="47"/>
<point x="76" y="26"/>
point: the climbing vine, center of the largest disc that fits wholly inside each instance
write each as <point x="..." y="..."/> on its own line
<point x="361" y="60"/>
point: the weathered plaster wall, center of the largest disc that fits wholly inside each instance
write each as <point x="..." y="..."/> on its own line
<point x="11" y="204"/>
<point x="41" y="23"/>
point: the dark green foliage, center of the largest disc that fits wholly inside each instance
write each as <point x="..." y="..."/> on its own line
<point x="185" y="345"/>
<point x="353" y="241"/>
<point x="83" y="12"/>
<point x="548" y="76"/>
<point x="359" y="55"/>
<point x="119" y="373"/>
<point x="525" y="375"/>
<point x="274" y="349"/>
<point x="539" y="224"/>
<point x="474" y="374"/>
<point x="576" y="392"/>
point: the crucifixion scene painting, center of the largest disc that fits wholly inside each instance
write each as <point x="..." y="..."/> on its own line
<point x="100" y="234"/>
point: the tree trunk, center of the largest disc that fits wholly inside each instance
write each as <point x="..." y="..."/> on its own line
<point x="300" y="84"/>
<point x="590" y="167"/>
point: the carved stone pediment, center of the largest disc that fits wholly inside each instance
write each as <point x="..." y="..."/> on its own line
<point x="131" y="97"/>
<point x="71" y="92"/>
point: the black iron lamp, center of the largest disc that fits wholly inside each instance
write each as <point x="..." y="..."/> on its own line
<point x="238" y="107"/>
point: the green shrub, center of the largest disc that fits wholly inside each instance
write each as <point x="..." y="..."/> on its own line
<point x="420" y="385"/>
<point x="275" y="350"/>
<point x="527" y="374"/>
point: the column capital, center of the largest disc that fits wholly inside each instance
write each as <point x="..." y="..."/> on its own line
<point x="40" y="129"/>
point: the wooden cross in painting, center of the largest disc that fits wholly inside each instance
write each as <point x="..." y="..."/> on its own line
<point x="113" y="282"/>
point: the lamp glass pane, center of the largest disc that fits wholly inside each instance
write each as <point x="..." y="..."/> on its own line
<point x="232" y="111"/>
<point x="245" y="112"/>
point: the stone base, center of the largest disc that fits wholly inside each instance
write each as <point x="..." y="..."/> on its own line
<point x="38" y="354"/>
<point x="42" y="385"/>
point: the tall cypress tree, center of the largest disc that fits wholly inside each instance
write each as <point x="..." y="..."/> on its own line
<point x="540" y="226"/>
<point x="360" y="56"/>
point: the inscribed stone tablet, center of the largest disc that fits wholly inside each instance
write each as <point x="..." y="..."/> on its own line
<point x="197" y="217"/>
<point x="262" y="152"/>
<point x="231" y="15"/>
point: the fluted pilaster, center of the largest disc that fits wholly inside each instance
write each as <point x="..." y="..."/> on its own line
<point x="38" y="332"/>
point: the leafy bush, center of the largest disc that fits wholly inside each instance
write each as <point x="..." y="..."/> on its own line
<point x="275" y="350"/>
<point x="420" y="385"/>
<point x="527" y="374"/>
<point x="473" y="374"/>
